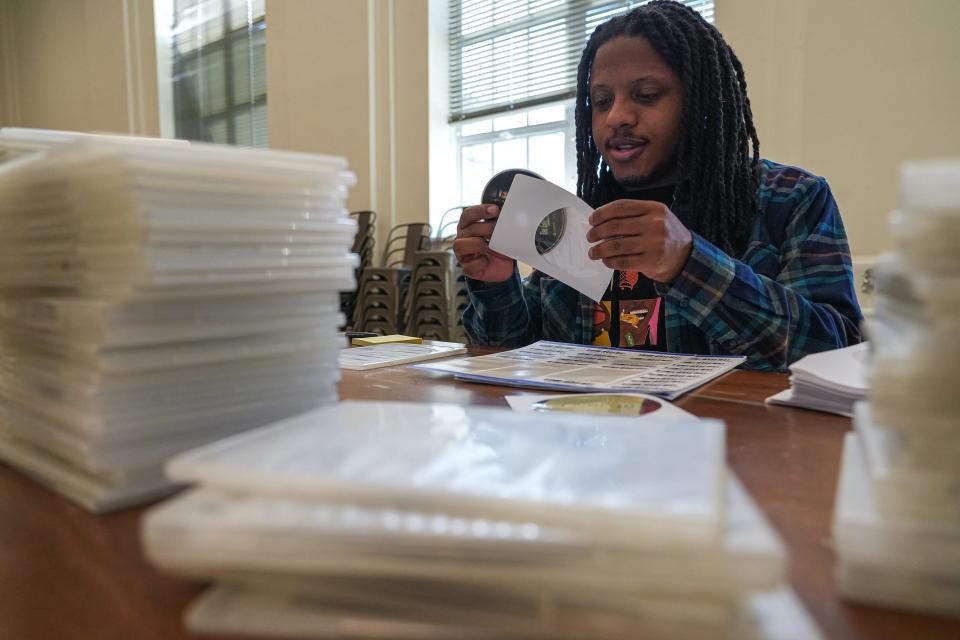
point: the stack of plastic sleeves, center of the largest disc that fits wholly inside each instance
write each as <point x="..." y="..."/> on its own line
<point x="393" y="520"/>
<point x="158" y="297"/>
<point x="897" y="520"/>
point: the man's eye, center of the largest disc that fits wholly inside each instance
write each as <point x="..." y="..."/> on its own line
<point x="647" y="97"/>
<point x="601" y="102"/>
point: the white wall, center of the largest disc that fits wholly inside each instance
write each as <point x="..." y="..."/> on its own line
<point x="849" y="90"/>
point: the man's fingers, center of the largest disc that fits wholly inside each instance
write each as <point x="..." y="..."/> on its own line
<point x="617" y="227"/>
<point x="475" y="265"/>
<point x="626" y="263"/>
<point x="467" y="248"/>
<point x="623" y="209"/>
<point x="624" y="246"/>
<point x="478" y="230"/>
<point x="476" y="213"/>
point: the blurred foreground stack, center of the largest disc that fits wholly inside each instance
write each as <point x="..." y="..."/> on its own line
<point x="156" y="297"/>
<point x="392" y="520"/>
<point x="897" y="521"/>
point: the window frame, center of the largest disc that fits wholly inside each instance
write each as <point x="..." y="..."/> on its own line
<point x="174" y="61"/>
<point x="565" y="126"/>
<point x="579" y="17"/>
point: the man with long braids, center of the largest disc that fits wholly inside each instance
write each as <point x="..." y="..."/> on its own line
<point x="716" y="250"/>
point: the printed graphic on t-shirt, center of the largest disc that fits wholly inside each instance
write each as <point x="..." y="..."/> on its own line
<point x="628" y="280"/>
<point x="601" y="324"/>
<point x="638" y="322"/>
<point x="630" y="314"/>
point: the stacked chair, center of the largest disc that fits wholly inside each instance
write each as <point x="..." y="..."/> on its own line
<point x="420" y="290"/>
<point x="363" y="245"/>
<point x="382" y="291"/>
<point x="437" y="297"/>
<point x="438" y="290"/>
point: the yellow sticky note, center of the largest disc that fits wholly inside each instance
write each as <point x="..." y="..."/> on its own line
<point x="393" y="339"/>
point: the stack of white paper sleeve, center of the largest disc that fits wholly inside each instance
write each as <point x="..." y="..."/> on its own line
<point x="156" y="297"/>
<point x="394" y="520"/>
<point x="897" y="523"/>
<point x="831" y="381"/>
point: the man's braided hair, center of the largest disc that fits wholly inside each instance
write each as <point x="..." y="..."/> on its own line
<point x="718" y="150"/>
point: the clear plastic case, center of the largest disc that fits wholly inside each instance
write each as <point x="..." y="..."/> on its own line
<point x="908" y="451"/>
<point x="927" y="227"/>
<point x="866" y="536"/>
<point x="603" y="473"/>
<point x="81" y="216"/>
<point x="209" y="533"/>
<point x="241" y="609"/>
<point x="458" y="614"/>
<point x="911" y="494"/>
<point x="152" y="440"/>
<point x="156" y="297"/>
<point x="913" y="376"/>
<point x="893" y="587"/>
<point x="95" y="492"/>
<point x="164" y="397"/>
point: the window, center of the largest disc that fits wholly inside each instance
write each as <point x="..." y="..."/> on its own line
<point x="218" y="76"/>
<point x="513" y="74"/>
<point x="533" y="139"/>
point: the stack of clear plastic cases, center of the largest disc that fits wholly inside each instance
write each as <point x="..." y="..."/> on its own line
<point x="16" y="142"/>
<point x="437" y="521"/>
<point x="897" y="522"/>
<point x="156" y="297"/>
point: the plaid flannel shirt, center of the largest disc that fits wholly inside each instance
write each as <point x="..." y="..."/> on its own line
<point x="789" y="295"/>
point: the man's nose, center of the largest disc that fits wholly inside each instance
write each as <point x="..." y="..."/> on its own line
<point x="621" y="114"/>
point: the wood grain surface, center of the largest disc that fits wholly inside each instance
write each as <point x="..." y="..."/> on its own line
<point x="67" y="574"/>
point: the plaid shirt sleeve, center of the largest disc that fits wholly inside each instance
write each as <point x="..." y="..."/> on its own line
<point x="503" y="314"/>
<point x="788" y="297"/>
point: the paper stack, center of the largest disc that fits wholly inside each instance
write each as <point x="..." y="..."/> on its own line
<point x="897" y="523"/>
<point x="830" y="381"/>
<point x="157" y="297"/>
<point x="399" y="520"/>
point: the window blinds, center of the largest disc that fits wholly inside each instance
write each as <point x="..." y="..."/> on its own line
<point x="219" y="71"/>
<point x="509" y="54"/>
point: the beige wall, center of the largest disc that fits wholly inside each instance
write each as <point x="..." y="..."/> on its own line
<point x="317" y="90"/>
<point x="849" y="89"/>
<point x="6" y="65"/>
<point x="845" y="96"/>
<point x="344" y="77"/>
<point x="84" y="65"/>
<point x="349" y="78"/>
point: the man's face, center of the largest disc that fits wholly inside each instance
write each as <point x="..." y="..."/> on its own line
<point x="636" y="102"/>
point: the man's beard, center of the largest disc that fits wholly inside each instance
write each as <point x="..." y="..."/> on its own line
<point x="665" y="173"/>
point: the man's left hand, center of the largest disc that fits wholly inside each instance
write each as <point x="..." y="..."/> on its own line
<point x="640" y="235"/>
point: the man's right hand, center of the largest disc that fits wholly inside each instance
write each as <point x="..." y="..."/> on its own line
<point x="471" y="245"/>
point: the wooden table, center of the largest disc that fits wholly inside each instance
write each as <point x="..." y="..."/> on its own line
<point x="67" y="574"/>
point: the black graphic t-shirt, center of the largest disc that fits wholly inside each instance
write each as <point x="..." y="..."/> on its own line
<point x="631" y="313"/>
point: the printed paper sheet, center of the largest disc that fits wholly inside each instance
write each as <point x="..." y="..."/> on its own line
<point x="569" y="367"/>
